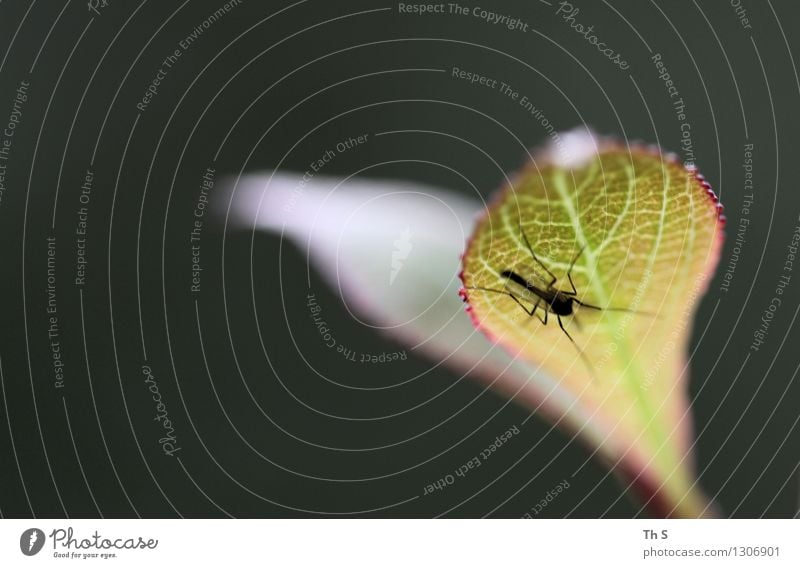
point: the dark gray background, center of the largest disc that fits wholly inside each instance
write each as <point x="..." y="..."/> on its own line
<point x="91" y="71"/>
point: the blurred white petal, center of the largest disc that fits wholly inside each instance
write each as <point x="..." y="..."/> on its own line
<point x="349" y="231"/>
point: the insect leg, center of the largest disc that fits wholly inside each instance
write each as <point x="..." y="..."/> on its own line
<point x="569" y="272"/>
<point x="611" y="309"/>
<point x="530" y="312"/>
<point x="543" y="320"/>
<point x="580" y="351"/>
<point x="539" y="262"/>
<point x="596" y="307"/>
<point x="561" y="325"/>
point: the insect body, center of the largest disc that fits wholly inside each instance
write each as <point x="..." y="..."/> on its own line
<point x="556" y="301"/>
<point x="549" y="299"/>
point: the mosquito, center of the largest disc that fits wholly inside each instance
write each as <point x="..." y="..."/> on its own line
<point x="550" y="298"/>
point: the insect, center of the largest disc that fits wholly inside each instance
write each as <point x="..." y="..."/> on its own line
<point x="549" y="298"/>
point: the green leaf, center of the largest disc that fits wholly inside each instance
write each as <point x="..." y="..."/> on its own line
<point x="648" y="231"/>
